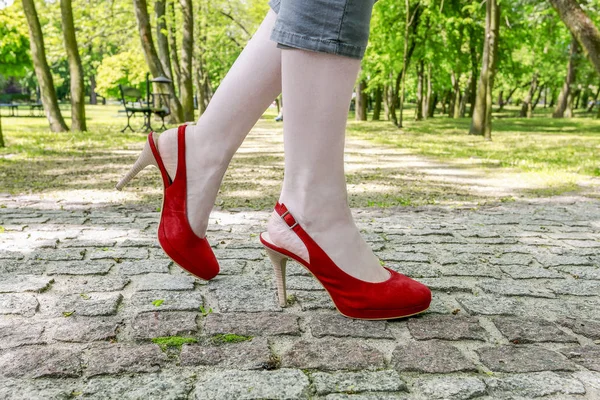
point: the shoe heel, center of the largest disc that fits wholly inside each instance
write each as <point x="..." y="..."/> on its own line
<point x="146" y="158"/>
<point x="279" y="262"/>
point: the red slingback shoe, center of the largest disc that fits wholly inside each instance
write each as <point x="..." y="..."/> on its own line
<point x="175" y="235"/>
<point x="397" y="297"/>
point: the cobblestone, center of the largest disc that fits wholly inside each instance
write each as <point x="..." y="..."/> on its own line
<point x="322" y="325"/>
<point x="590" y="329"/>
<point x="268" y="324"/>
<point x="78" y="267"/>
<point x="356" y="382"/>
<point x="83" y="291"/>
<point x="288" y="384"/>
<point x="455" y="388"/>
<point x="447" y="327"/>
<point x="325" y="355"/>
<point x="531" y="330"/>
<point x="587" y="356"/>
<point x="511" y="358"/>
<point x="39" y="362"/>
<point x="253" y="354"/>
<point x="430" y="357"/>
<point x="109" y="358"/>
<point x="25" y="283"/>
<point x="535" y="385"/>
<point x="148" y="325"/>
<point x="22" y="333"/>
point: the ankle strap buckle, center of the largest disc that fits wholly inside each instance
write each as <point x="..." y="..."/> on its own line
<point x="287" y="212"/>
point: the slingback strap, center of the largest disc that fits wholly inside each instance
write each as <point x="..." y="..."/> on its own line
<point x="161" y="166"/>
<point x="285" y="215"/>
<point x="181" y="168"/>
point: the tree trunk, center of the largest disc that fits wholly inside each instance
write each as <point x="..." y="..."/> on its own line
<point x="162" y="40"/>
<point x="42" y="71"/>
<point x="419" y="105"/>
<point x="75" y="68"/>
<point x="404" y="63"/>
<point x="582" y="28"/>
<point x="187" y="49"/>
<point x="411" y="20"/>
<point x="474" y="71"/>
<point x="154" y="64"/>
<point x="527" y="107"/>
<point x="456" y="96"/>
<point x="1" y="136"/>
<point x="377" y="106"/>
<point x="541" y="90"/>
<point x="93" y="95"/>
<point x="493" y="54"/>
<point x="479" y="112"/>
<point x="462" y="110"/>
<point x="565" y="93"/>
<point x="390" y="105"/>
<point x="361" y="101"/>
<point x="173" y="44"/>
<point x="577" y="97"/>
<point x="481" y="123"/>
<point x="591" y="106"/>
<point x="427" y="110"/>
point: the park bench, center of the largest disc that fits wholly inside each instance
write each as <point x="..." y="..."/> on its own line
<point x="13" y="109"/>
<point x="133" y="103"/>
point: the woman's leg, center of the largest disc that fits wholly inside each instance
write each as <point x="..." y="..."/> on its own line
<point x="250" y="86"/>
<point x="317" y="88"/>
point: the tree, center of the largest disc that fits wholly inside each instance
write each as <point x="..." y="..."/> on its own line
<point x="161" y="37"/>
<point x="565" y="98"/>
<point x="187" y="48"/>
<point x="1" y="136"/>
<point x="582" y="28"/>
<point x="42" y="71"/>
<point x="360" y="105"/>
<point x="75" y="69"/>
<point x="412" y="20"/>
<point x="527" y="107"/>
<point x="141" y="12"/>
<point x="481" y="123"/>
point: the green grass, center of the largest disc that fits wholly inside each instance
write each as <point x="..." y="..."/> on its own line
<point x="554" y="155"/>
<point x="540" y="144"/>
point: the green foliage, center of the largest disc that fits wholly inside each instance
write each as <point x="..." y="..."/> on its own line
<point x="127" y="69"/>
<point x="157" y="303"/>
<point x="14" y="42"/>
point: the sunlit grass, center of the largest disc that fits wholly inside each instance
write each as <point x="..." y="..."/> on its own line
<point x="550" y="156"/>
<point x="540" y="145"/>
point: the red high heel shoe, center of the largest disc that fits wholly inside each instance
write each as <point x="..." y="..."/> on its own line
<point x="175" y="235"/>
<point x="397" y="297"/>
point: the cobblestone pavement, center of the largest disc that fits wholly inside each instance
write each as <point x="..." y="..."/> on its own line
<point x="85" y="288"/>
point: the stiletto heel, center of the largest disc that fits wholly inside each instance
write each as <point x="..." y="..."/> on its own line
<point x="279" y="262"/>
<point x="175" y="235"/>
<point x="145" y="159"/>
<point x="397" y="297"/>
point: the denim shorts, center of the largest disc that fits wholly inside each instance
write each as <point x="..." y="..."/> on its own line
<point x="330" y="26"/>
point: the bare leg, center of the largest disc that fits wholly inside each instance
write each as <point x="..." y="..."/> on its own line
<point x="317" y="88"/>
<point x="250" y="86"/>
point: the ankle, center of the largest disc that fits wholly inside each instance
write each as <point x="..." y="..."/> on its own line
<point x="282" y="236"/>
<point x="318" y="213"/>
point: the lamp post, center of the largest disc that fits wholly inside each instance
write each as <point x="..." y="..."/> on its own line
<point x="160" y="104"/>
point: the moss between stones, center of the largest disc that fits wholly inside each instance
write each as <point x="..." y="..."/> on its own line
<point x="172" y="341"/>
<point x="229" y="338"/>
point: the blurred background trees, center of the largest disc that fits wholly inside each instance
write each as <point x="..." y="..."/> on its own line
<point x="444" y="57"/>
